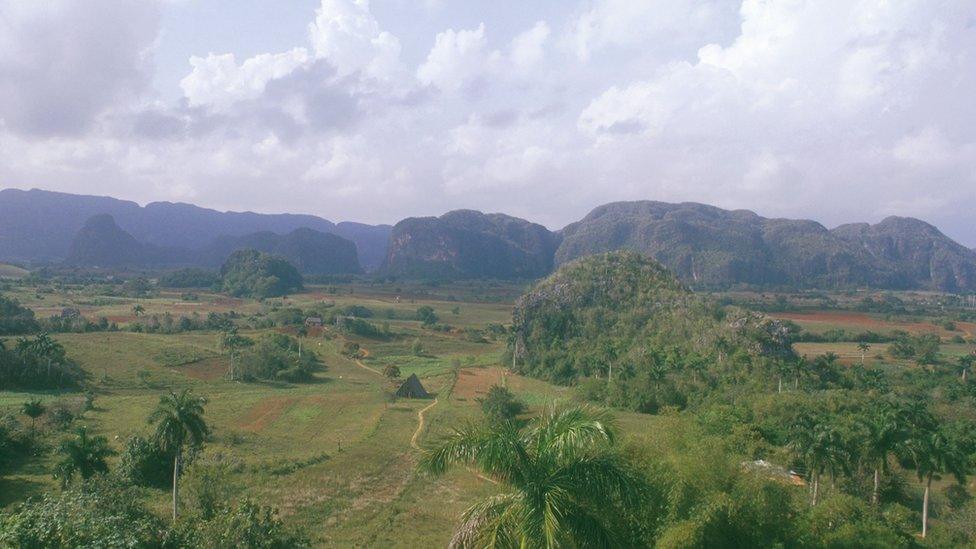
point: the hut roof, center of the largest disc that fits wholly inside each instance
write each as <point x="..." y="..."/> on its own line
<point x="412" y="388"/>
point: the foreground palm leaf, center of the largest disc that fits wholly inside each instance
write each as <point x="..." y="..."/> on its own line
<point x="567" y="485"/>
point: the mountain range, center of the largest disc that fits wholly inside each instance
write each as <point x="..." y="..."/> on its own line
<point x="102" y="243"/>
<point x="39" y="226"/>
<point x="703" y="245"/>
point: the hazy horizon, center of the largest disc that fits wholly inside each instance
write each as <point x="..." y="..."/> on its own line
<point x="376" y="111"/>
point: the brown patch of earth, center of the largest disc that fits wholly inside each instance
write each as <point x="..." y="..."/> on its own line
<point x="474" y="382"/>
<point x="207" y="369"/>
<point x="265" y="412"/>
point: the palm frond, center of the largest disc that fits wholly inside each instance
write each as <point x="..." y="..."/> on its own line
<point x="489" y="523"/>
<point x="496" y="450"/>
<point x="562" y="432"/>
<point x="604" y="480"/>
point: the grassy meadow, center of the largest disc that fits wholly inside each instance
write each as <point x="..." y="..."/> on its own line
<point x="333" y="455"/>
<point x="336" y="455"/>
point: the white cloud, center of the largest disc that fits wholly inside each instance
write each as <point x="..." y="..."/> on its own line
<point x="457" y="58"/>
<point x="348" y="36"/>
<point x="218" y="79"/>
<point x="658" y="26"/>
<point x="528" y="48"/>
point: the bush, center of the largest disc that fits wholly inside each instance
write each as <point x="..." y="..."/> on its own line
<point x="427" y="316"/>
<point x="501" y="405"/>
<point x="144" y="463"/>
<point x="15" y="319"/>
<point x="97" y="514"/>
<point x="275" y="356"/>
<point x="247" y="525"/>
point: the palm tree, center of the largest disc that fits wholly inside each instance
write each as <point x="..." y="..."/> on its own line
<point x="33" y="409"/>
<point x="864" y="347"/>
<point x="179" y="421"/>
<point x="821" y="447"/>
<point x="138" y="309"/>
<point x="934" y="452"/>
<point x="84" y="455"/>
<point x="566" y="484"/>
<point x="233" y="342"/>
<point x="966" y="364"/>
<point x="883" y="431"/>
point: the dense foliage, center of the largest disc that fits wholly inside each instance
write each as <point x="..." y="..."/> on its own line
<point x="250" y="273"/>
<point x="625" y="317"/>
<point x="14" y="318"/>
<point x="37" y="362"/>
<point x="276" y="357"/>
<point x="189" y="278"/>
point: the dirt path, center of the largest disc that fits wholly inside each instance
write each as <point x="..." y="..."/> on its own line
<point x="363" y="366"/>
<point x="421" y="421"/>
<point x="420" y="424"/>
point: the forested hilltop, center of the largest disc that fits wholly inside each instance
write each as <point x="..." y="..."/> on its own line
<point x="624" y="318"/>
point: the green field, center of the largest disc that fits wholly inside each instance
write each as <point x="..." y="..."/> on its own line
<point x="334" y="456"/>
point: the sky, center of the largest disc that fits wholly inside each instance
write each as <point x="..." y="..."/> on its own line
<point x="372" y="111"/>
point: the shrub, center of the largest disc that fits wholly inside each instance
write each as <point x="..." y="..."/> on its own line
<point x="501" y="405"/>
<point x="144" y="463"/>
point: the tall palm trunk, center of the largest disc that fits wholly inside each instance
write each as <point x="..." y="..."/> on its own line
<point x="816" y="488"/>
<point x="925" y="507"/>
<point x="780" y="388"/>
<point x="877" y="479"/>
<point x="176" y="485"/>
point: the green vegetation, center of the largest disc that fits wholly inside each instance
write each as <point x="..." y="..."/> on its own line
<point x="15" y="319"/>
<point x="565" y="486"/>
<point x="623" y="317"/>
<point x="250" y="273"/>
<point x="725" y="435"/>
<point x="189" y="278"/>
<point x="179" y="423"/>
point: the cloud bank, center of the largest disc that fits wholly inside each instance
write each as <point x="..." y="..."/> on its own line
<point x="833" y="110"/>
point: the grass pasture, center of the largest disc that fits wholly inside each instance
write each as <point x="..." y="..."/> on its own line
<point x="335" y="455"/>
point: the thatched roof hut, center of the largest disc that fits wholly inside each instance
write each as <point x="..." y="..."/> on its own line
<point x="412" y="388"/>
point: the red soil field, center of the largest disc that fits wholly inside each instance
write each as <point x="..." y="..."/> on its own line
<point x="474" y="383"/>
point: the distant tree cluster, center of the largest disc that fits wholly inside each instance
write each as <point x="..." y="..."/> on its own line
<point x="15" y="318"/>
<point x="272" y="357"/>
<point x="250" y="273"/>
<point x="189" y="278"/>
<point x="37" y="362"/>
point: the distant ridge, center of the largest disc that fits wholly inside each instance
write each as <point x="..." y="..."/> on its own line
<point x="703" y="245"/>
<point x="710" y="246"/>
<point x="101" y="243"/>
<point x="470" y="244"/>
<point x="39" y="226"/>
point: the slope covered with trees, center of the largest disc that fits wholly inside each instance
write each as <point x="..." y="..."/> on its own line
<point x="623" y="317"/>
<point x="250" y="273"/>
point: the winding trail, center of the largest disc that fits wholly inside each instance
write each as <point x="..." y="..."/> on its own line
<point x="420" y="424"/>
<point x="421" y="421"/>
